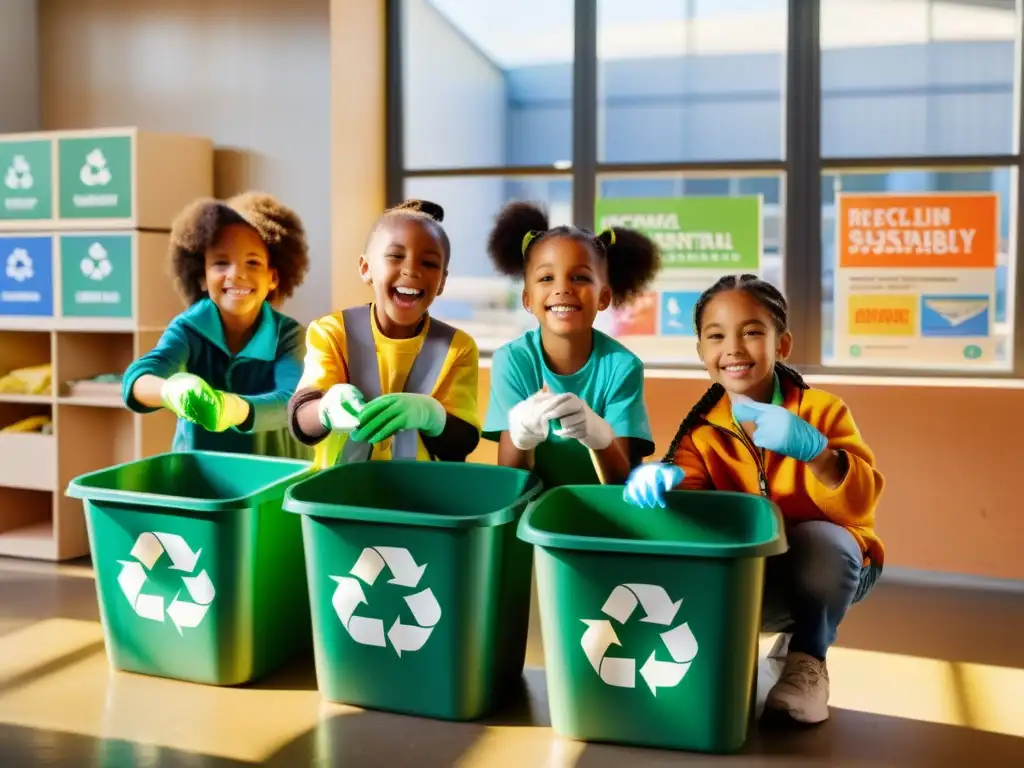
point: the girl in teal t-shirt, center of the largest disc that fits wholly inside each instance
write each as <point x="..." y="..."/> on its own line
<point x="567" y="401"/>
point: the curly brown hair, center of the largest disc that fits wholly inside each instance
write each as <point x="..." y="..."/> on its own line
<point x="199" y="226"/>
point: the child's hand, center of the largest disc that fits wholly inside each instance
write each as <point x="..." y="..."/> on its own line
<point x="339" y="408"/>
<point x="528" y="420"/>
<point x="194" y="400"/>
<point x="579" y="422"/>
<point x="387" y="414"/>
<point x="648" y="483"/>
<point x="779" y="430"/>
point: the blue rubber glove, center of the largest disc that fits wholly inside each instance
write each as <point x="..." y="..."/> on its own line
<point x="648" y="483"/>
<point x="779" y="430"/>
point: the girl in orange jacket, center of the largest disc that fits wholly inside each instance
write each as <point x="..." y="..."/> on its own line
<point x="761" y="429"/>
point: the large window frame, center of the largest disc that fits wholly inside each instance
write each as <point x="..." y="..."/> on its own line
<point x="801" y="168"/>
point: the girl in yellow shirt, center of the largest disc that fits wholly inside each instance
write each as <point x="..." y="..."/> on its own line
<point x="386" y="380"/>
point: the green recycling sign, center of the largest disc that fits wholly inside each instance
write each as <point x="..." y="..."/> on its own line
<point x="720" y="233"/>
<point x="26" y="193"/>
<point x="96" y="275"/>
<point x="95" y="177"/>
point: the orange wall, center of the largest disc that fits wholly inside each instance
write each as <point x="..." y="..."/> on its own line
<point x="950" y="456"/>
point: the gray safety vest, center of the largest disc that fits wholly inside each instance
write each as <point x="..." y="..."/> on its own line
<point x="364" y="375"/>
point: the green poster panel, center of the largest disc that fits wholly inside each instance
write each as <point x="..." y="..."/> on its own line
<point x="721" y="233"/>
<point x="96" y="275"/>
<point x="95" y="177"/>
<point x="27" y="189"/>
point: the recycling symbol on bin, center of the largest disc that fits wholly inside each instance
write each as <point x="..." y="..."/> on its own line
<point x="658" y="608"/>
<point x="148" y="549"/>
<point x="364" y="630"/>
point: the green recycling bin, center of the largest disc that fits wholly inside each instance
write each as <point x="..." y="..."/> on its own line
<point x="651" y="617"/>
<point x="199" y="573"/>
<point x="419" y="587"/>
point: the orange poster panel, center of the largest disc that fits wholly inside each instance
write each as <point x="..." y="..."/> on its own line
<point x="933" y="231"/>
<point x="638" y="318"/>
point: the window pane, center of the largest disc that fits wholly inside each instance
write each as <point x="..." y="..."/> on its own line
<point x="688" y="81"/>
<point x="487" y="84"/>
<point x="917" y="77"/>
<point x="485" y="304"/>
<point x="927" y="269"/>
<point x="707" y="227"/>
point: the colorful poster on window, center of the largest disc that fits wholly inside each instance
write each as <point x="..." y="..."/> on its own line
<point x="701" y="239"/>
<point x="916" y="280"/>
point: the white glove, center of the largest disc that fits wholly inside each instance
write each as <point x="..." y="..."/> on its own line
<point x="581" y="423"/>
<point x="339" y="408"/>
<point x="528" y="420"/>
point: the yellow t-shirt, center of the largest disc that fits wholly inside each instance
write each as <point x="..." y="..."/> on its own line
<point x="326" y="364"/>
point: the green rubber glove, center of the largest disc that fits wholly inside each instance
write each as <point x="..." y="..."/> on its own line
<point x="194" y="400"/>
<point x="388" y="414"/>
<point x="340" y="407"/>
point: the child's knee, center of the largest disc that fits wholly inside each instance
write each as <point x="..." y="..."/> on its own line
<point x="826" y="560"/>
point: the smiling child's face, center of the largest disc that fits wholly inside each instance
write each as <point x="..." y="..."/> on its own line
<point x="739" y="344"/>
<point x="565" y="285"/>
<point x="238" y="276"/>
<point x="405" y="265"/>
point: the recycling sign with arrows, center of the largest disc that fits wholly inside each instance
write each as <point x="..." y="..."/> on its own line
<point x="190" y="604"/>
<point x="663" y="667"/>
<point x="26" y="180"/>
<point x="95" y="177"/>
<point x="353" y="609"/>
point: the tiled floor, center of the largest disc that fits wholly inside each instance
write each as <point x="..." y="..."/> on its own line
<point x="923" y="677"/>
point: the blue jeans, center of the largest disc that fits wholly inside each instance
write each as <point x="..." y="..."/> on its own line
<point x="808" y="589"/>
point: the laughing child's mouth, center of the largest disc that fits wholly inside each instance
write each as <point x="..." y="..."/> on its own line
<point x="406" y="296"/>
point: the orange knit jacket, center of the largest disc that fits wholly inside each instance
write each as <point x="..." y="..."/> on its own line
<point x="718" y="455"/>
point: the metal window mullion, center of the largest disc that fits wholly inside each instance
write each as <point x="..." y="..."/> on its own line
<point x="394" y="108"/>
<point x="802" y="265"/>
<point x="1017" y="319"/>
<point x="584" y="113"/>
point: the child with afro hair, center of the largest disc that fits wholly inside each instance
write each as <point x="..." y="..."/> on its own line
<point x="228" y="364"/>
<point x="567" y="401"/>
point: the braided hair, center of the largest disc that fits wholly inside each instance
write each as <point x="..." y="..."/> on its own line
<point x="775" y="303"/>
<point x="632" y="259"/>
<point x="430" y="214"/>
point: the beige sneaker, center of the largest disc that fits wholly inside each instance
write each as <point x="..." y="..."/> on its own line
<point x="802" y="691"/>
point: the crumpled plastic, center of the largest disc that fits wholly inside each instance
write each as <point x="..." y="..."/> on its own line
<point x="33" y="380"/>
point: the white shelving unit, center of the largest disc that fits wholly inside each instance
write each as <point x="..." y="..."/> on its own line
<point x="84" y="287"/>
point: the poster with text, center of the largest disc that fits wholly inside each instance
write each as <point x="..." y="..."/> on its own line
<point x="916" y="280"/>
<point x="701" y="239"/>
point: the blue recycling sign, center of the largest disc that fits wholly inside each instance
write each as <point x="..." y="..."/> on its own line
<point x="26" y="276"/>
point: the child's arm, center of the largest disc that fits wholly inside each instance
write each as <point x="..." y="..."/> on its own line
<point x="688" y="459"/>
<point x="647" y="485"/>
<point x="143" y="381"/>
<point x="323" y="367"/>
<point x="508" y="391"/>
<point x="626" y="414"/>
<point x="447" y="420"/>
<point x="458" y="395"/>
<point x="269" y="411"/>
<point x="844" y="483"/>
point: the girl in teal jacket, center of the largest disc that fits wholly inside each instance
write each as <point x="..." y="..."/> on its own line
<point x="228" y="364"/>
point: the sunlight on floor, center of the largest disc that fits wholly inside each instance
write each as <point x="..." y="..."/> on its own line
<point x="977" y="696"/>
<point x="54" y="676"/>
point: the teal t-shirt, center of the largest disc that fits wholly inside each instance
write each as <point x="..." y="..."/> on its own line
<point x="265" y="374"/>
<point x="611" y="383"/>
